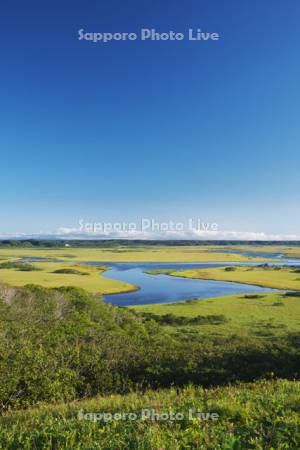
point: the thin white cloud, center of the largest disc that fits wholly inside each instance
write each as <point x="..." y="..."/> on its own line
<point x="77" y="233"/>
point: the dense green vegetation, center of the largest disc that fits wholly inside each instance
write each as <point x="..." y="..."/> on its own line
<point x="262" y="415"/>
<point x="64" y="344"/>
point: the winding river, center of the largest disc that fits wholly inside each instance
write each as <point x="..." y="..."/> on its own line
<point x="165" y="289"/>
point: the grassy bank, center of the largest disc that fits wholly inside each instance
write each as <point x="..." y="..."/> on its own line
<point x="262" y="415"/>
<point x="56" y="274"/>
<point x="277" y="277"/>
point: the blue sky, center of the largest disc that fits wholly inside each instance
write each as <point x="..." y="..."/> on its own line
<point x="169" y="130"/>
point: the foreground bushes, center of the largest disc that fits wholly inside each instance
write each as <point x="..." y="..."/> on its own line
<point x="260" y="416"/>
<point x="64" y="344"/>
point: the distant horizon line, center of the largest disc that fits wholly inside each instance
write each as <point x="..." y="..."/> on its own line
<point x="201" y="241"/>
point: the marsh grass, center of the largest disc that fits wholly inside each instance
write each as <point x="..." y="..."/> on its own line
<point x="242" y="314"/>
<point x="56" y="274"/>
<point x="261" y="415"/>
<point x="263" y="275"/>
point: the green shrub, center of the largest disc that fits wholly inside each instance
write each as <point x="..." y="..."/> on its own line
<point x="171" y="319"/>
<point x="70" y="271"/>
<point x="25" y="267"/>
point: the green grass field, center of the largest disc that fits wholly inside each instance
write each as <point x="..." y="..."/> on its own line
<point x="267" y="315"/>
<point x="86" y="277"/>
<point x="262" y="415"/>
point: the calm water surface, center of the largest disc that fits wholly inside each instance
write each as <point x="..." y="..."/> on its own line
<point x="165" y="289"/>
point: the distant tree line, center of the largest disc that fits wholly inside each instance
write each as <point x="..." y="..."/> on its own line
<point x="107" y="243"/>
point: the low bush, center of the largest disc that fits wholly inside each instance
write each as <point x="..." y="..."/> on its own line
<point x="25" y="267"/>
<point x="70" y="271"/>
<point x="171" y="319"/>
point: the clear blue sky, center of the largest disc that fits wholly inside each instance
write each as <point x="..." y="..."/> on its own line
<point x="169" y="130"/>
